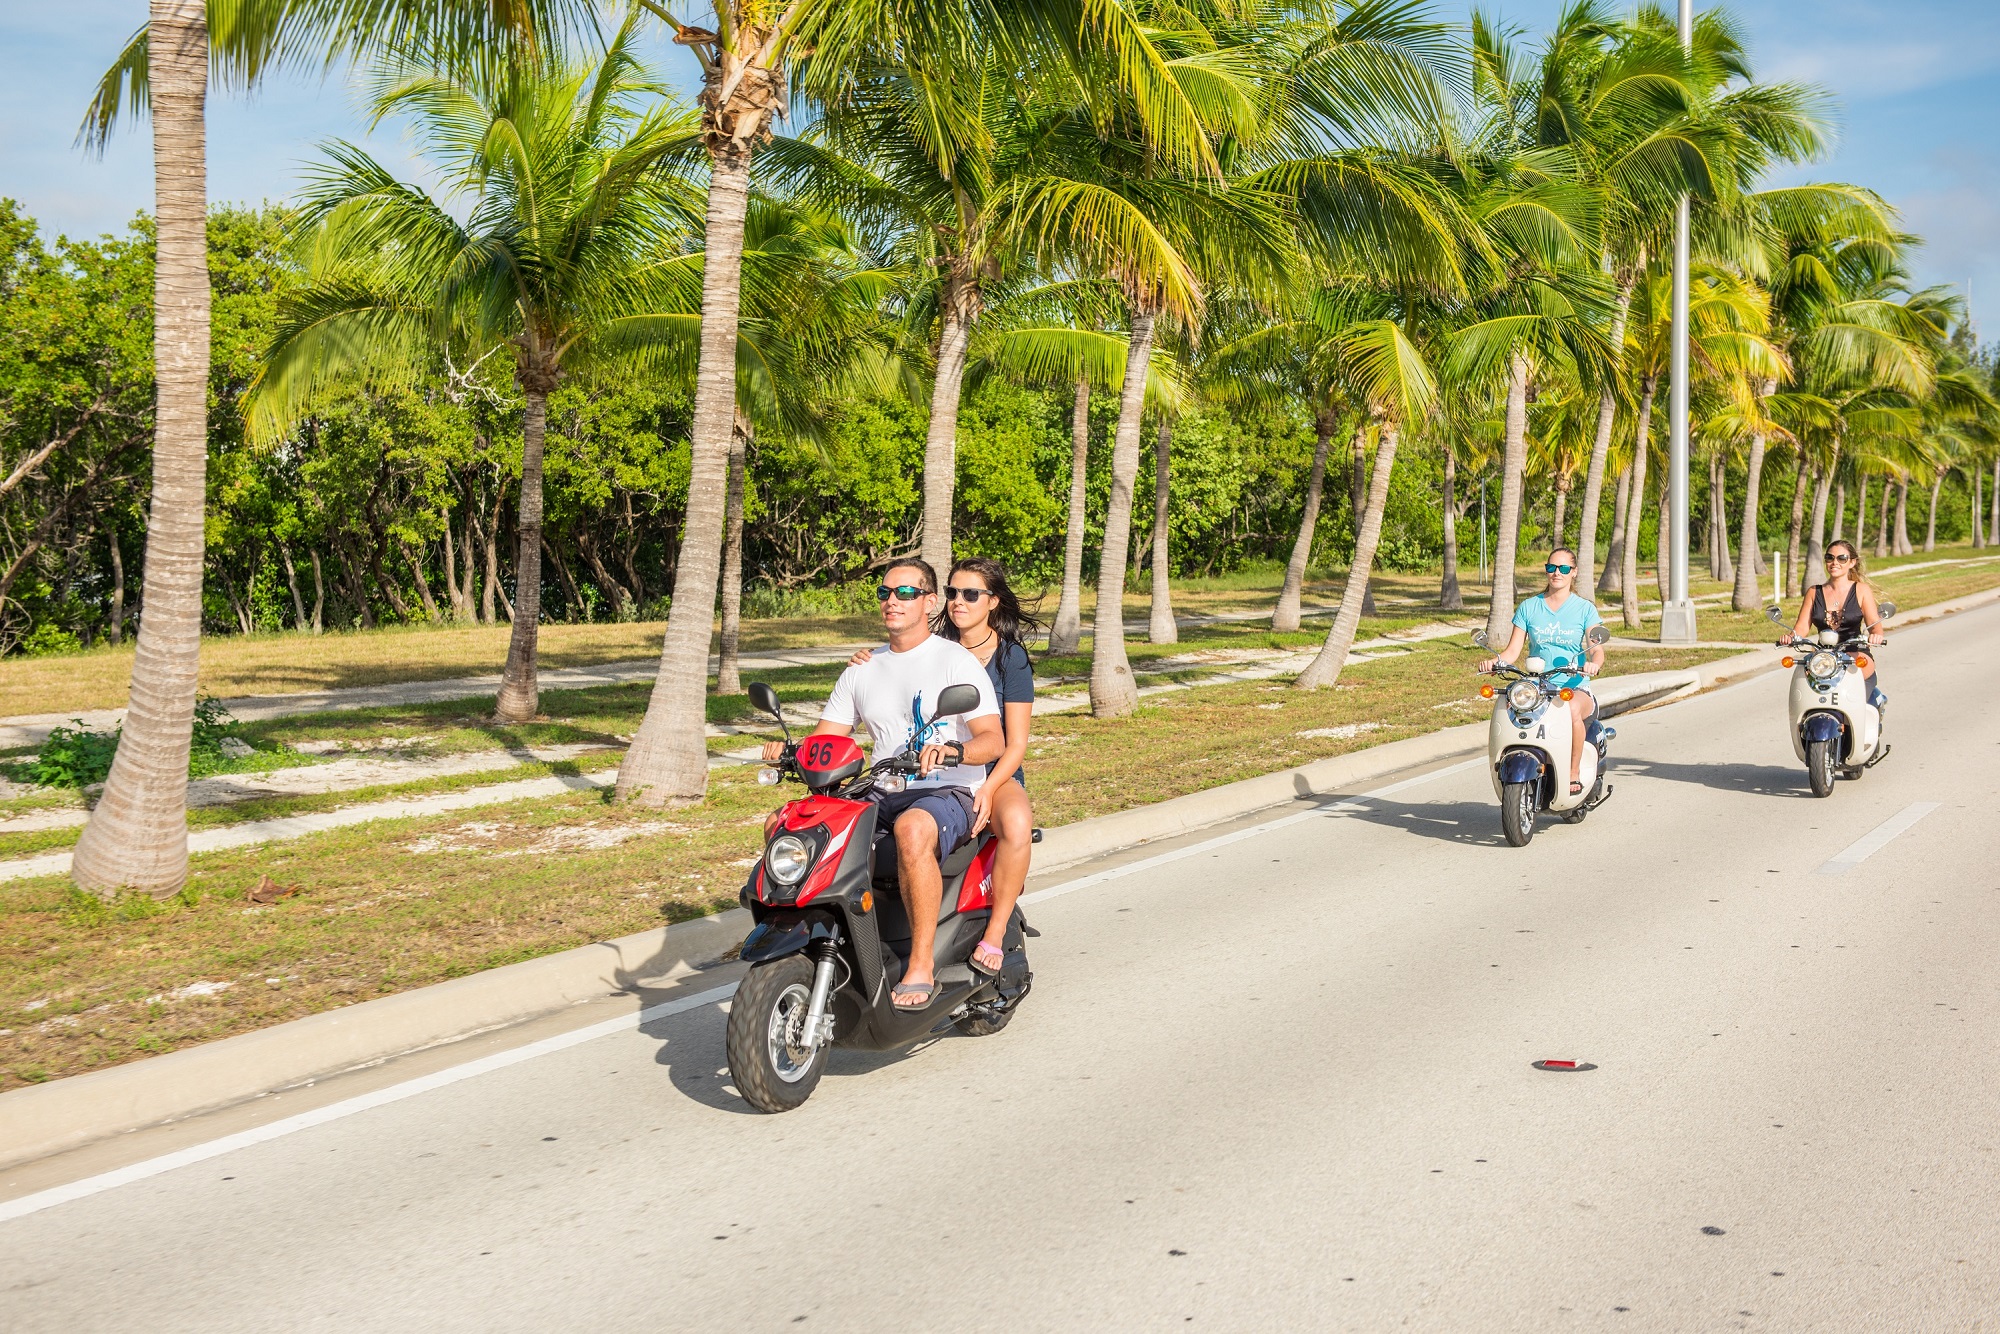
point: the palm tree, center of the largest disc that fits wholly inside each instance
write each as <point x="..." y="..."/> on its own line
<point x="745" y="87"/>
<point x="1395" y="381"/>
<point x="137" y="834"/>
<point x="571" y="191"/>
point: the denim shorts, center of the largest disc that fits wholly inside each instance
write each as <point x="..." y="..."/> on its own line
<point x="949" y="805"/>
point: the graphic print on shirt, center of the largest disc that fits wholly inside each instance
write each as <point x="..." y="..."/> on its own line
<point x="921" y="732"/>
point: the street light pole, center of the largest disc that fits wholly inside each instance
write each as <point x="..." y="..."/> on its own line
<point x="1677" y="614"/>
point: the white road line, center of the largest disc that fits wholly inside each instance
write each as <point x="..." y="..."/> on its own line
<point x="152" y="1167"/>
<point x="1876" y="839"/>
<point x="410" y="1088"/>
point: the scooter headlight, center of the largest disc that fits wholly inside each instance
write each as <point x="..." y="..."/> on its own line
<point x="1823" y="665"/>
<point x="787" y="859"/>
<point x="1524" y="696"/>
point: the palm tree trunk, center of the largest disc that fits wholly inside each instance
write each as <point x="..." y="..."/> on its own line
<point x="1814" y="573"/>
<point x="1635" y="509"/>
<point x="1161" y="629"/>
<point x="1285" y="618"/>
<point x="1792" y="553"/>
<point x="137" y="835"/>
<point x="1067" y="631"/>
<point x="319" y="593"/>
<point x="1450" y="598"/>
<point x="1747" y="596"/>
<point x="961" y="308"/>
<point x="1903" y="546"/>
<point x="1839" y="514"/>
<point x="1506" y="542"/>
<point x="1612" y="579"/>
<point x="115" y="632"/>
<point x="1722" y="564"/>
<point x="1600" y="450"/>
<point x="1882" y="526"/>
<point x="1993" y="534"/>
<point x="1357" y="496"/>
<point x="668" y="761"/>
<point x="1561" y="524"/>
<point x="1930" y="519"/>
<point x="520" y="685"/>
<point x="1860" y="515"/>
<point x="1324" y="669"/>
<point x="292" y="583"/>
<point x="1660" y="557"/>
<point x="1978" y="475"/>
<point x="728" y="676"/>
<point x="1113" y="693"/>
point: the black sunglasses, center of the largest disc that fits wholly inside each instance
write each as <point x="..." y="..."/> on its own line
<point x="971" y="595"/>
<point x="1557" y="569"/>
<point x="901" y="592"/>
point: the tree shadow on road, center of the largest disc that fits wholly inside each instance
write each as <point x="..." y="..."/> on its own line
<point x="1472" y="823"/>
<point x="1757" y="780"/>
<point x="693" y="1054"/>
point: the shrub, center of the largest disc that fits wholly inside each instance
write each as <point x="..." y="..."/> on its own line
<point x="76" y="757"/>
<point x="48" y="639"/>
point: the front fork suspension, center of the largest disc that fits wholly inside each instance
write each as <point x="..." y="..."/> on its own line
<point x="818" y="1027"/>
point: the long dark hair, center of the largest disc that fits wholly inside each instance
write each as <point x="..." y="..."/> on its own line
<point x="1008" y="620"/>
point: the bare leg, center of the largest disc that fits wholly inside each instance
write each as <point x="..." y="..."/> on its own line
<point x="923" y="890"/>
<point x="1582" y="706"/>
<point x="1014" y="822"/>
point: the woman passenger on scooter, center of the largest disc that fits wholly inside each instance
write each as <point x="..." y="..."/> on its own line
<point x="1845" y="602"/>
<point x="982" y="613"/>
<point x="1552" y="627"/>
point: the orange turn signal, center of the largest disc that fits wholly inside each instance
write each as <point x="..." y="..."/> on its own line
<point x="1861" y="661"/>
<point x="1786" y="662"/>
<point x="867" y="900"/>
<point x="1565" y="693"/>
<point x="1486" y="692"/>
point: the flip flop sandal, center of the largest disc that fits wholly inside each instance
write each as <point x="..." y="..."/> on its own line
<point x="1576" y="789"/>
<point x="998" y="956"/>
<point x="928" y="990"/>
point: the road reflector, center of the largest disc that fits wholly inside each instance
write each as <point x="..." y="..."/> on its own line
<point x="1564" y="1067"/>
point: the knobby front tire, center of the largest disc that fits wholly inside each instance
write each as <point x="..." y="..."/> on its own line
<point x="771" y="1075"/>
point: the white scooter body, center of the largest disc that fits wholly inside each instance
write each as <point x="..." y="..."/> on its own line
<point x="1547" y="732"/>
<point x="1845" y="696"/>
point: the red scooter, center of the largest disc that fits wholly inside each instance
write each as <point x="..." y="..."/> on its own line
<point x="832" y="936"/>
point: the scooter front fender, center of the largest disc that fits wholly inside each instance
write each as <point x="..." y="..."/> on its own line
<point x="785" y="933"/>
<point x="1820" y="727"/>
<point x="1519" y="766"/>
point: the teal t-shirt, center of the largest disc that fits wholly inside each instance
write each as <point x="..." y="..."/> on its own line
<point x="1555" y="635"/>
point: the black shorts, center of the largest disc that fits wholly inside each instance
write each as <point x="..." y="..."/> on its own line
<point x="950" y="806"/>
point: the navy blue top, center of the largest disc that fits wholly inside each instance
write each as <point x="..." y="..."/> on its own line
<point x="1013" y="680"/>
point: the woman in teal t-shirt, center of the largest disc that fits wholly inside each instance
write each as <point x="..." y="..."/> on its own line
<point x="1552" y="627"/>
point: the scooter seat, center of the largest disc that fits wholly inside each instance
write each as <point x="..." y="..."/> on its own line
<point x="959" y="858"/>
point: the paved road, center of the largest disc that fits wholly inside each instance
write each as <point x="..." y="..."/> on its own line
<point x="1279" y="1083"/>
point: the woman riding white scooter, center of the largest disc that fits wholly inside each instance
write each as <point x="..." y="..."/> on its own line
<point x="1845" y="602"/>
<point x="1552" y="626"/>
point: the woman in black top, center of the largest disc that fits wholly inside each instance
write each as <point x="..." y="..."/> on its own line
<point x="1845" y="602"/>
<point x="982" y="613"/>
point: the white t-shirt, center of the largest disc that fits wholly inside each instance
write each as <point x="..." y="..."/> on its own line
<point x="892" y="693"/>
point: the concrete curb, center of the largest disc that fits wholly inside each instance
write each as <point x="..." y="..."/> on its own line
<point x="50" y="1118"/>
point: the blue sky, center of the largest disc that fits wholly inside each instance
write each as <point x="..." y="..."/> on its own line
<point x="1915" y="81"/>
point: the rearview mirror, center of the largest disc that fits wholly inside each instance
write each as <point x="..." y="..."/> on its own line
<point x="1479" y="638"/>
<point x="1887" y="609"/>
<point x="1597" y="634"/>
<point x="763" y="698"/>
<point x="1776" y="615"/>
<point x="957" y="699"/>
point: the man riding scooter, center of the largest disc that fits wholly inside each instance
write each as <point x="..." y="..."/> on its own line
<point x="934" y="814"/>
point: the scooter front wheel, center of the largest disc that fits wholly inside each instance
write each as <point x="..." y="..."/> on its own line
<point x="1819" y="767"/>
<point x="766" y="1020"/>
<point x="1517" y="812"/>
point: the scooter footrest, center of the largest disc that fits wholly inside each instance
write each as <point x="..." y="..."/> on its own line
<point x="1878" y="757"/>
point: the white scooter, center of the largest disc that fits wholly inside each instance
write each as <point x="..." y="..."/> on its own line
<point x="1836" y="728"/>
<point x="1528" y="745"/>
